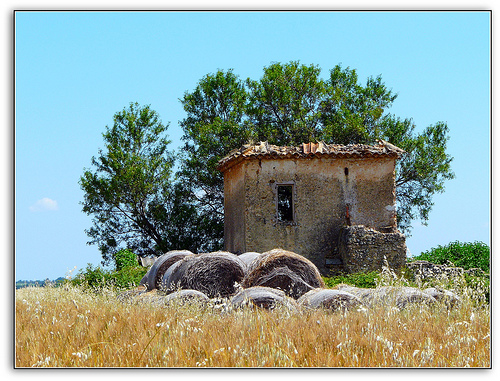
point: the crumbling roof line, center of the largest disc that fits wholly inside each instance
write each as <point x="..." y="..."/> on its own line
<point x="308" y="150"/>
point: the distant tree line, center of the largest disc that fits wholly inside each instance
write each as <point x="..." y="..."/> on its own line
<point x="39" y="283"/>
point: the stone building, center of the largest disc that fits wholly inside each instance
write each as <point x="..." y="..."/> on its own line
<point x="333" y="204"/>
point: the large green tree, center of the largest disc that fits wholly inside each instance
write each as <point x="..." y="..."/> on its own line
<point x="216" y="122"/>
<point x="130" y="193"/>
<point x="291" y="104"/>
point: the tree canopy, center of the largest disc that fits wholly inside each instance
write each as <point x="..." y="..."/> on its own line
<point x="137" y="203"/>
<point x="291" y="104"/>
<point x="130" y="193"/>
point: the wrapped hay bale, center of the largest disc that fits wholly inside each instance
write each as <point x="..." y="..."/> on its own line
<point x="152" y="279"/>
<point x="285" y="270"/>
<point x="215" y="274"/>
<point x="263" y="297"/>
<point x="172" y="277"/>
<point x="330" y="299"/>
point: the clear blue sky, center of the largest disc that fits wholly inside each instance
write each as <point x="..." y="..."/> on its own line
<point x="74" y="70"/>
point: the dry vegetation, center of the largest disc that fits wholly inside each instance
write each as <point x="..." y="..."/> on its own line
<point x="68" y="327"/>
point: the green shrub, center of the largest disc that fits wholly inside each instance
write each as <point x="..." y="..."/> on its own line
<point x="364" y="280"/>
<point x="96" y="278"/>
<point x="128" y="277"/>
<point x="125" y="258"/>
<point x="465" y="255"/>
<point x="93" y="277"/>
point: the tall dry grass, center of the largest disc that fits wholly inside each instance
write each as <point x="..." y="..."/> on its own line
<point x="69" y="327"/>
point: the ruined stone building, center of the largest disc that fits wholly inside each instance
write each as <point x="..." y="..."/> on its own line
<point x="333" y="204"/>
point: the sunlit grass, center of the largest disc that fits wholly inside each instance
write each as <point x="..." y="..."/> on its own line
<point x="69" y="327"/>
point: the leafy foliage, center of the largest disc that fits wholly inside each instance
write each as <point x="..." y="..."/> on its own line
<point x="284" y="106"/>
<point x="363" y="280"/>
<point x="124" y="258"/>
<point x="466" y="255"/>
<point x="130" y="192"/>
<point x="292" y="104"/>
<point x="92" y="277"/>
<point x="214" y="125"/>
<point x="97" y="278"/>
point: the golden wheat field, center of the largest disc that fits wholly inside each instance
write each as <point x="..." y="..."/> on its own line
<point x="70" y="327"/>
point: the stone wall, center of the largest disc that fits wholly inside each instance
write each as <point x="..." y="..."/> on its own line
<point x="363" y="249"/>
<point x="426" y="270"/>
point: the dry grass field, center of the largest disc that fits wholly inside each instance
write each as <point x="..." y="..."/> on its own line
<point x="69" y="327"/>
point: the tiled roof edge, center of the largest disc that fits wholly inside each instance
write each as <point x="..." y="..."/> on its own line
<point x="308" y="150"/>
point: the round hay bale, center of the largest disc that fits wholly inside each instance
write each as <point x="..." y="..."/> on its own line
<point x="152" y="279"/>
<point x="445" y="296"/>
<point x="402" y="296"/>
<point x="172" y="277"/>
<point x="129" y="295"/>
<point x="249" y="257"/>
<point x="389" y="295"/>
<point x="152" y="298"/>
<point x="330" y="299"/>
<point x="282" y="269"/>
<point x="144" y="280"/>
<point x="364" y="294"/>
<point x="282" y="278"/>
<point x="263" y="297"/>
<point x="215" y="274"/>
<point x="186" y="297"/>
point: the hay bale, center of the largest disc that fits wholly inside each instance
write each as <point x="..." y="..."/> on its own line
<point x="249" y="257"/>
<point x="282" y="269"/>
<point x="152" y="279"/>
<point x="215" y="274"/>
<point x="263" y="297"/>
<point x="152" y="298"/>
<point x="172" y="277"/>
<point x="330" y="299"/>
<point x="364" y="294"/>
<point x="389" y="295"/>
<point x="282" y="278"/>
<point x="186" y="297"/>
<point x="445" y="296"/>
<point x="129" y="295"/>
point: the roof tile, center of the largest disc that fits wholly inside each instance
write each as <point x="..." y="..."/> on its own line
<point x="266" y="150"/>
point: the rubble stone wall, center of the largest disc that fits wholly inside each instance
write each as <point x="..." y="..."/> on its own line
<point x="363" y="249"/>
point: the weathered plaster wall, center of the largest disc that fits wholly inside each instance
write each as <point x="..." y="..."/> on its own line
<point x="234" y="209"/>
<point x="322" y="190"/>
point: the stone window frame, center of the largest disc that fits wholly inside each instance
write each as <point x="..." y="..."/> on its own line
<point x="275" y="186"/>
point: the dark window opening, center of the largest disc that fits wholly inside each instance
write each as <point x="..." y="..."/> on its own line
<point x="346" y="171"/>
<point x="285" y="202"/>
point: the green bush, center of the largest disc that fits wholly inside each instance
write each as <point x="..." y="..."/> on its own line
<point x="97" y="278"/>
<point x="465" y="255"/>
<point x="125" y="258"/>
<point x="364" y="280"/>
<point x="129" y="277"/>
<point x="93" y="277"/>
